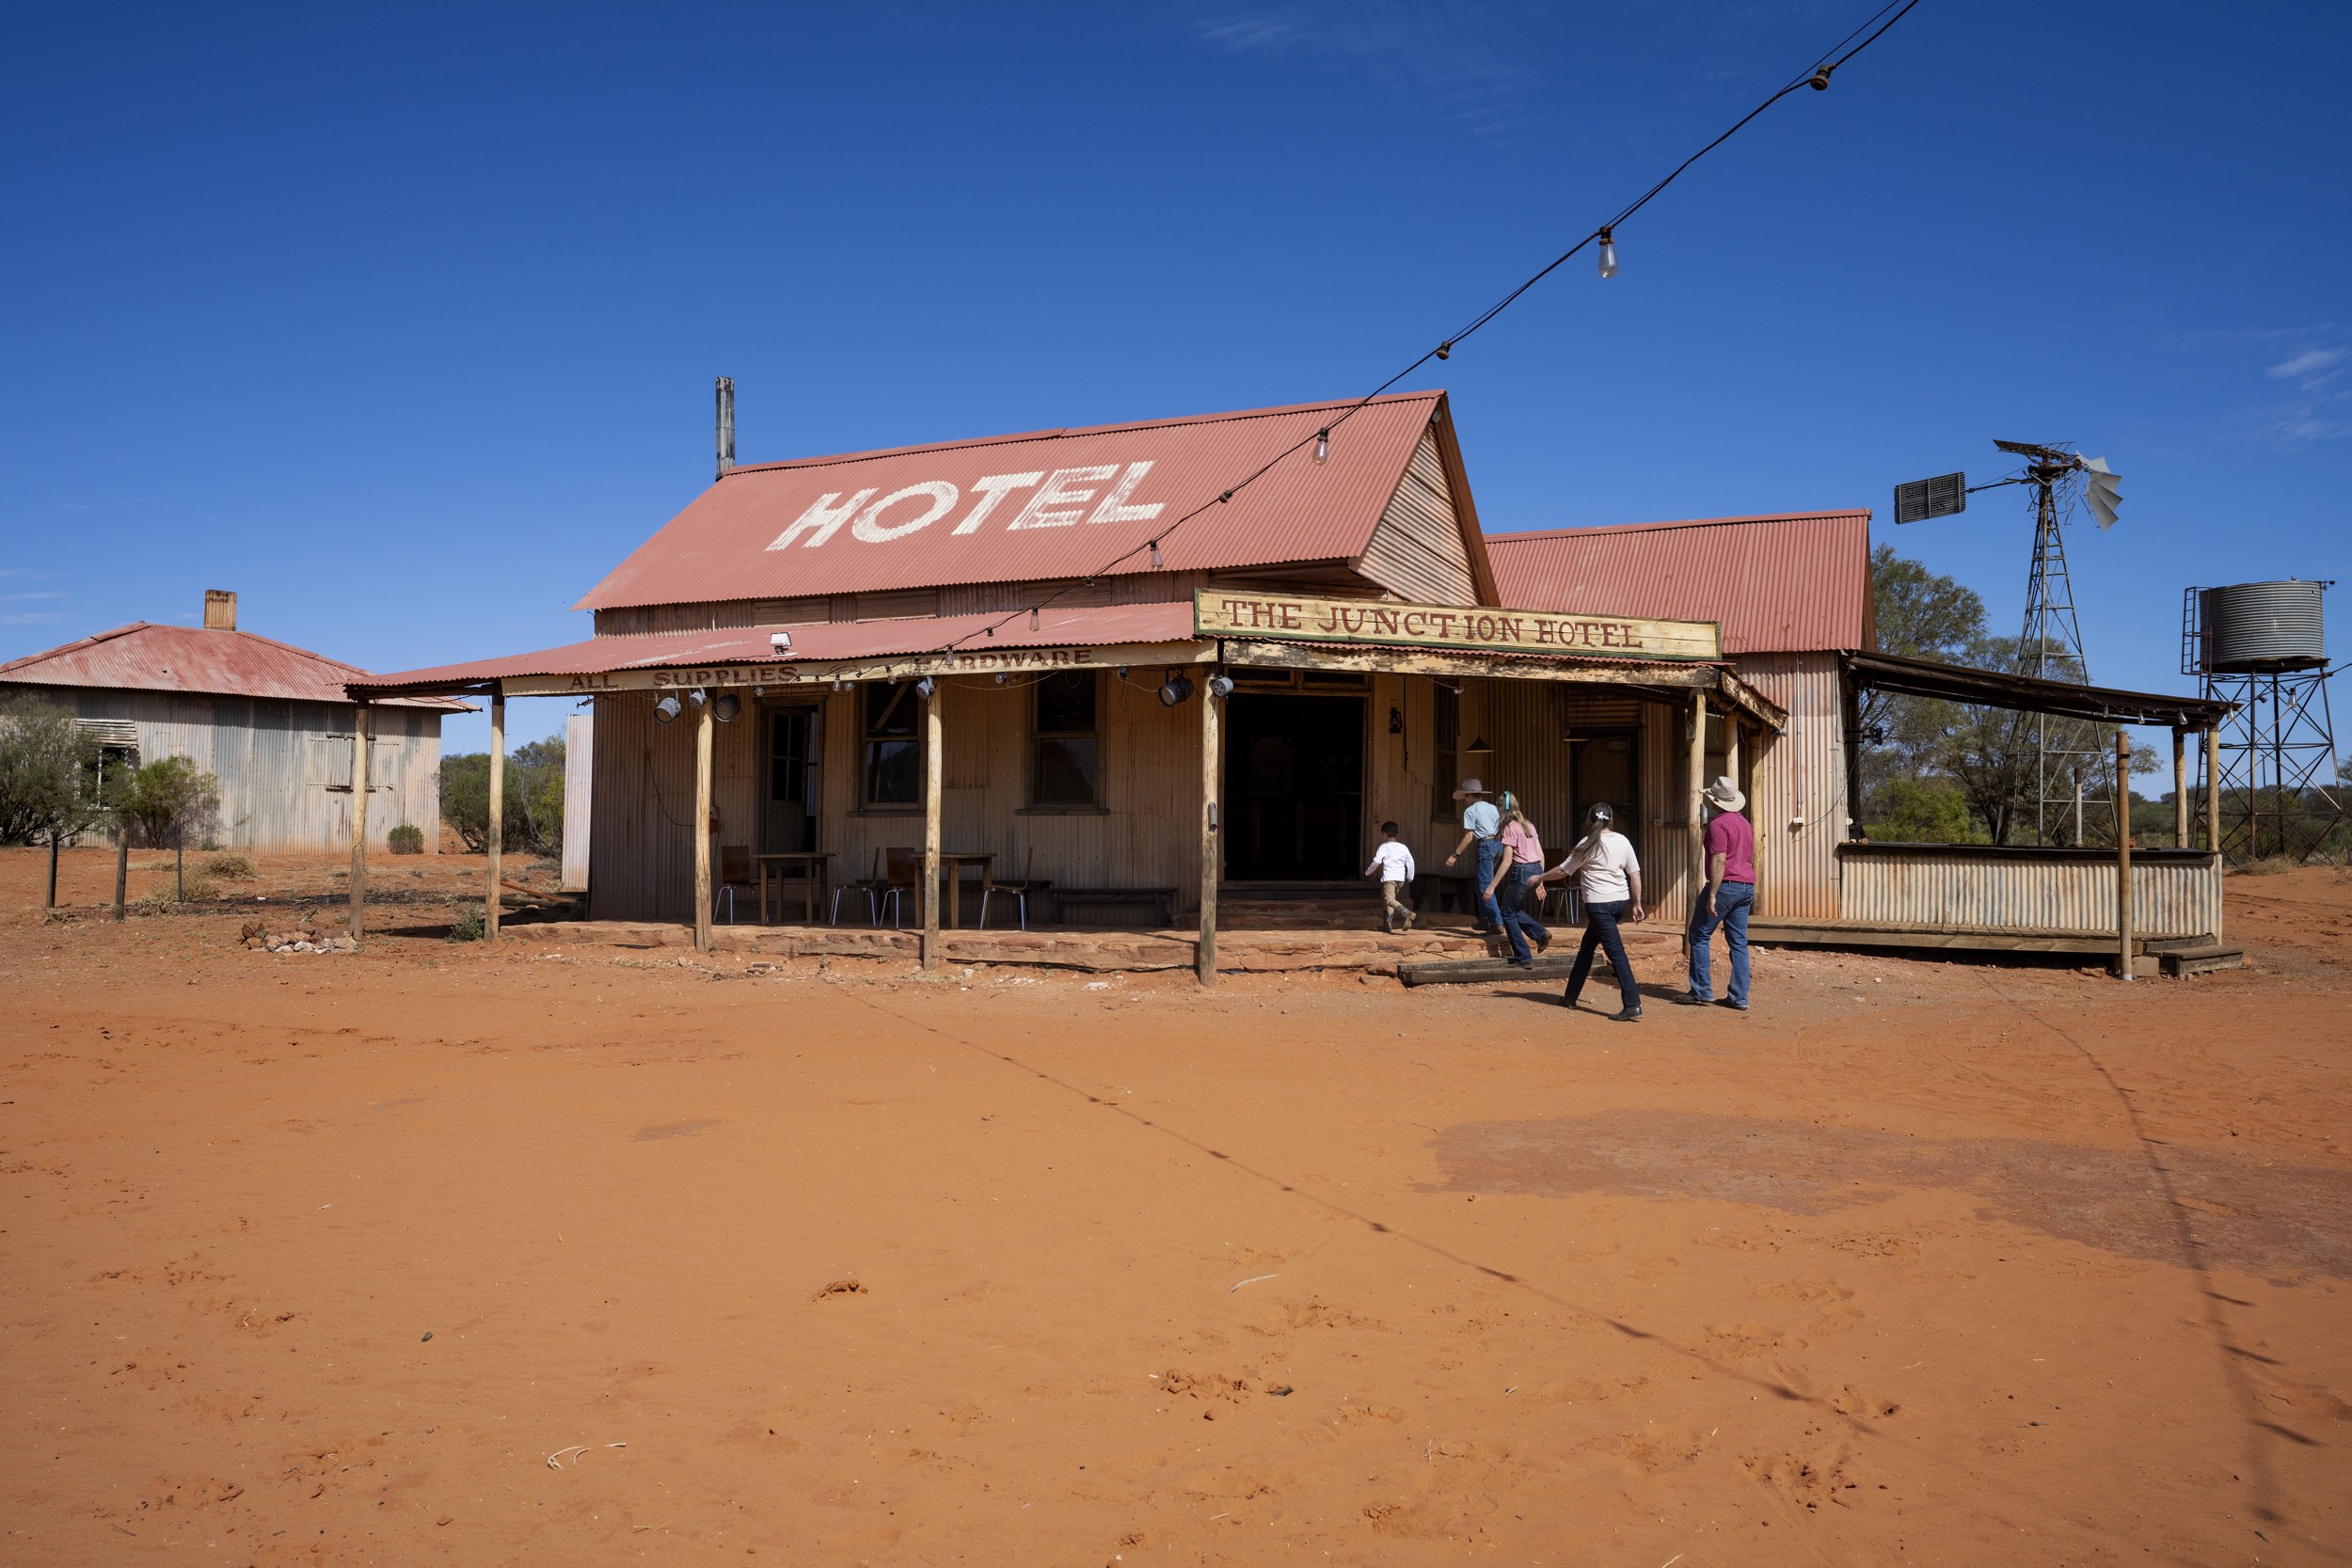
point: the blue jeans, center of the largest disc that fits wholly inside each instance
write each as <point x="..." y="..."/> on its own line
<point x="1732" y="900"/>
<point x="1490" y="853"/>
<point x="1521" y="925"/>
<point x="1600" y="928"/>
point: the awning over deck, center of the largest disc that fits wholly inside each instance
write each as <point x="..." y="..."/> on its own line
<point x="1925" y="678"/>
<point x="1151" y="636"/>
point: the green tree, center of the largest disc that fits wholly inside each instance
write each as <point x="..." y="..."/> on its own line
<point x="533" y="795"/>
<point x="48" y="773"/>
<point x="161" y="803"/>
<point x="1905" y="740"/>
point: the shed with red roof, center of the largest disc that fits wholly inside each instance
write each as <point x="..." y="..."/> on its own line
<point x="271" y="723"/>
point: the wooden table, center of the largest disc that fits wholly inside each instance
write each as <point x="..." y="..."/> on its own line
<point x="951" y="866"/>
<point x="815" y="867"/>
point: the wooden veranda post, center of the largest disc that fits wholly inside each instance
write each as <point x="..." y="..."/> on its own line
<point x="702" y="825"/>
<point x="1205" y="955"/>
<point x="362" y="735"/>
<point x="2180" y="789"/>
<point x="1697" y="793"/>
<point x="2213" y="789"/>
<point x="492" y="901"/>
<point x="932" y="776"/>
<point x="2122" y="854"/>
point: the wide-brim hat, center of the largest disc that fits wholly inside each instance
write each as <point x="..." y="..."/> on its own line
<point x="1724" y="794"/>
<point x="1471" y="787"/>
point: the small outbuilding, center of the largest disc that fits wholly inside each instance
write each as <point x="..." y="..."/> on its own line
<point x="270" y="721"/>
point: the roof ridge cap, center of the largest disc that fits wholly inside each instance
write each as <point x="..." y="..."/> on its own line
<point x="1060" y="432"/>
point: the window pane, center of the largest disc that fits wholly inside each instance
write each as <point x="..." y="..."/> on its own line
<point x="1065" y="704"/>
<point x="891" y="708"/>
<point x="892" y="769"/>
<point x="1064" y="774"/>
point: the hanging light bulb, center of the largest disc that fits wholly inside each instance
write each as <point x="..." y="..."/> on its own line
<point x="1445" y="350"/>
<point x="1033" y="618"/>
<point x="1156" y="562"/>
<point x="1608" y="253"/>
<point x="1323" y="445"/>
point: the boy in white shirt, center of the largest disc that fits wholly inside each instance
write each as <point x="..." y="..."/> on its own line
<point x="1393" y="865"/>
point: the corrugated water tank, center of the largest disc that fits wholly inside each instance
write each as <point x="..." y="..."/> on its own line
<point x="2263" y="625"/>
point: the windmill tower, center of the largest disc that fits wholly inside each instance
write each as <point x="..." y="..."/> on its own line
<point x="2068" y="778"/>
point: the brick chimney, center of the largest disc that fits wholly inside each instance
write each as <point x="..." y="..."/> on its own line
<point x="220" y="610"/>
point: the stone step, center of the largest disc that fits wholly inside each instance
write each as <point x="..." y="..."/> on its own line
<point x="2177" y="961"/>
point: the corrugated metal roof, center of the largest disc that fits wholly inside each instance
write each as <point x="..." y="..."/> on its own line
<point x="145" y="656"/>
<point x="1047" y="504"/>
<point x="1105" y="626"/>
<point x="1787" y="582"/>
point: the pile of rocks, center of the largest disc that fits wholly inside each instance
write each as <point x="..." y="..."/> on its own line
<point x="302" y="938"/>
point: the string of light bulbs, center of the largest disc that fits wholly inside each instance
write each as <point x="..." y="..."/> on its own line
<point x="1815" y="76"/>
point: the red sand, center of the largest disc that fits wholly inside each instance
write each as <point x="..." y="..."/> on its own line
<point x="1916" y="1263"/>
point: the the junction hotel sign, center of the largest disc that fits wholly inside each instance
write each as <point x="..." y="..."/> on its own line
<point x="1456" y="628"/>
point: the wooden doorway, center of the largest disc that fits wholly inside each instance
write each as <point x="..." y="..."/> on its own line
<point x="1293" y="787"/>
<point x="790" y="773"/>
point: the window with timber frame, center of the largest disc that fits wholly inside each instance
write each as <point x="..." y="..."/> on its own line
<point x="1066" y="740"/>
<point x="890" y="771"/>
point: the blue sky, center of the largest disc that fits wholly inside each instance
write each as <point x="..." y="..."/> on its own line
<point x="402" y="322"/>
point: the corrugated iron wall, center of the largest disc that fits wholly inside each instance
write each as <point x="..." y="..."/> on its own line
<point x="274" y="759"/>
<point x="1145" y="836"/>
<point x="2016" y="891"/>
<point x="1798" y="800"/>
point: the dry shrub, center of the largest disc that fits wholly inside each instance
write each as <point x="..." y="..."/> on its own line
<point x="230" y="868"/>
<point x="407" y="839"/>
<point x="2269" y="865"/>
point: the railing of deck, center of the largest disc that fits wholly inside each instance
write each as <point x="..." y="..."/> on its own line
<point x="2175" y="893"/>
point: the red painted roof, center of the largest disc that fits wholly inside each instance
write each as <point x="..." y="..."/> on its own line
<point x="1788" y="582"/>
<point x="145" y="656"/>
<point x="1105" y="626"/>
<point x="925" y="516"/>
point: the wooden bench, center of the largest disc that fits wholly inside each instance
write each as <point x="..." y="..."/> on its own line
<point x="1164" y="898"/>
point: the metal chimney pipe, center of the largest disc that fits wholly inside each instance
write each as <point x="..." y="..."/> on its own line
<point x="726" y="424"/>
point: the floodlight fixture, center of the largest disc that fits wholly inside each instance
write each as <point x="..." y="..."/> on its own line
<point x="1221" y="685"/>
<point x="726" y="708"/>
<point x="780" y="642"/>
<point x="1175" y="689"/>
<point x="925" y="687"/>
<point x="667" y="709"/>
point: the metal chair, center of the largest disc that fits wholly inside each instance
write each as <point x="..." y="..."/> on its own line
<point x="735" y="871"/>
<point x="871" y="886"/>
<point x="1018" y="891"/>
<point x="902" y="874"/>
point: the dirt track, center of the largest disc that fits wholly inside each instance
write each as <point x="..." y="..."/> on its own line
<point x="1916" y="1263"/>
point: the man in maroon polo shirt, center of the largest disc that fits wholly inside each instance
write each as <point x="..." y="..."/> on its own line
<point x="1725" y="901"/>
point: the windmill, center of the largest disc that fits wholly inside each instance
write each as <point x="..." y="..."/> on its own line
<point x="2051" y="644"/>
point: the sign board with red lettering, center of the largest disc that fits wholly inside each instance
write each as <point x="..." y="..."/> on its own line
<point x="895" y="667"/>
<point x="1478" y="628"/>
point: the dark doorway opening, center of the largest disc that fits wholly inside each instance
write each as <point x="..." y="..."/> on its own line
<point x="1607" y="772"/>
<point x="1293" y="807"/>
<point x="789" y="775"/>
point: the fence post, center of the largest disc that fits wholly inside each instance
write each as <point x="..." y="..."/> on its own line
<point x="2123" y="854"/>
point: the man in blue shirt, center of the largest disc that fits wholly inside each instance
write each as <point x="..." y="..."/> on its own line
<point x="1481" y="822"/>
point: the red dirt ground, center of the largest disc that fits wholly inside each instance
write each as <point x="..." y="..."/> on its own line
<point x="452" y="1253"/>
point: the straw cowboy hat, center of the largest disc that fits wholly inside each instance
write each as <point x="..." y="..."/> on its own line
<point x="1470" y="787"/>
<point x="1724" y="796"/>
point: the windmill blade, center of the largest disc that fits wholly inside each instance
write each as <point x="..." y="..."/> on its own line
<point x="2102" y="490"/>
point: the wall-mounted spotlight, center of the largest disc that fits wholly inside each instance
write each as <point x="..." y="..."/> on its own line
<point x="1175" y="690"/>
<point x="698" y="696"/>
<point x="925" y="687"/>
<point x="666" y="710"/>
<point x="1002" y="677"/>
<point x="1221" y="685"/>
<point x="726" y="708"/>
